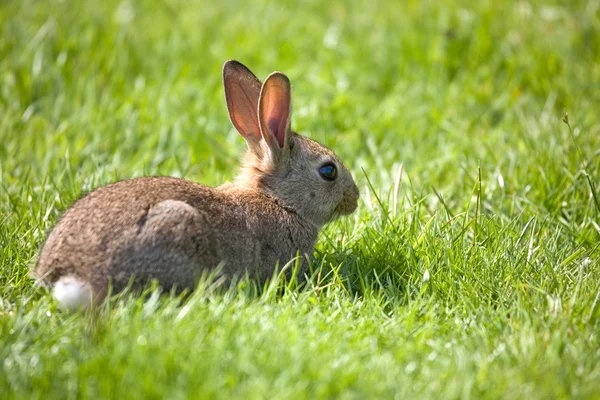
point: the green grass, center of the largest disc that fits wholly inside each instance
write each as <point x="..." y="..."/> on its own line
<point x="471" y="269"/>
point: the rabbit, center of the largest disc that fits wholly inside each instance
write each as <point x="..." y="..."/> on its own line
<point x="172" y="230"/>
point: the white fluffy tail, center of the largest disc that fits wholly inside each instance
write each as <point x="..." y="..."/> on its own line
<point x="72" y="293"/>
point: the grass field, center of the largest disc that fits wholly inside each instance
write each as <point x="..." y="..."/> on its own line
<point x="470" y="270"/>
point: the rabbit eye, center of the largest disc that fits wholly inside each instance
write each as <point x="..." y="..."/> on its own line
<point x="328" y="172"/>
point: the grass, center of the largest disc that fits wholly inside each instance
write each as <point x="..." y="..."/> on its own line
<point x="469" y="271"/>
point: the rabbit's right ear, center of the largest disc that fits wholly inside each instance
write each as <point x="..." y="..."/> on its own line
<point x="274" y="113"/>
<point x="242" y="91"/>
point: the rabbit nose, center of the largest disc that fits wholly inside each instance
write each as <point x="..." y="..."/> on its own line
<point x="355" y="191"/>
<point x="351" y="199"/>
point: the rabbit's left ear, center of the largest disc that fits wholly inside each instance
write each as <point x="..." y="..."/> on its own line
<point x="242" y="90"/>
<point x="275" y="112"/>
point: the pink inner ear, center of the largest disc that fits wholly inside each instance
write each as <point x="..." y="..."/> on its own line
<point x="274" y="108"/>
<point x="277" y="131"/>
<point x="242" y="104"/>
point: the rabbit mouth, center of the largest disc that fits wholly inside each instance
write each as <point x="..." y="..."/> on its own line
<point x="346" y="206"/>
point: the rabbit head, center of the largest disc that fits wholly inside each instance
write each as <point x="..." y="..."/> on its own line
<point x="296" y="171"/>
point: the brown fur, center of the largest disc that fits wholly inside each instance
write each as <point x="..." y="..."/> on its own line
<point x="172" y="229"/>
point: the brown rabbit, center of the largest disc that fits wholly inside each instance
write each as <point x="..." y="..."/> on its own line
<point x="172" y="229"/>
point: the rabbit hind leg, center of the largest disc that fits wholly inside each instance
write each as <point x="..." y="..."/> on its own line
<point x="172" y="246"/>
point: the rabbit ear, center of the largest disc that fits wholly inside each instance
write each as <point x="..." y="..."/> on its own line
<point x="242" y="91"/>
<point x="275" y="110"/>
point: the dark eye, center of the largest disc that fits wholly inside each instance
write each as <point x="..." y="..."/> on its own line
<point x="328" y="172"/>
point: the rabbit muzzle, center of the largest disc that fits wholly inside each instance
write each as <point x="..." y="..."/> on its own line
<point x="349" y="202"/>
